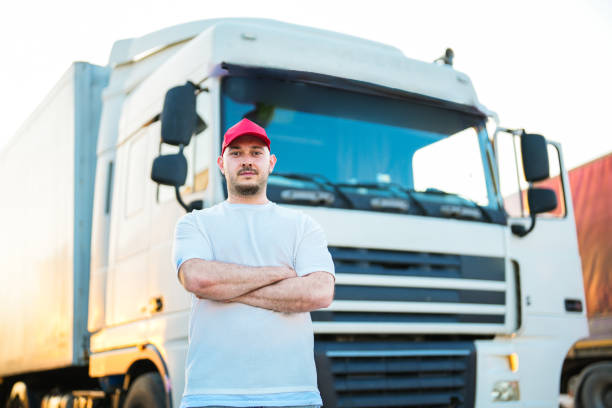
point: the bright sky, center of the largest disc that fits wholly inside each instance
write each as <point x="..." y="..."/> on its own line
<point x="541" y="65"/>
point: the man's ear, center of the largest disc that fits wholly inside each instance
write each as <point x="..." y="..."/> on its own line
<point x="272" y="162"/>
<point x="220" y="164"/>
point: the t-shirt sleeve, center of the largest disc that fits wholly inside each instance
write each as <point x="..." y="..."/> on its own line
<point x="312" y="253"/>
<point x="189" y="242"/>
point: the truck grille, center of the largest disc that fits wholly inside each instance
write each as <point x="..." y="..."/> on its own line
<point x="353" y="375"/>
<point x="405" y="290"/>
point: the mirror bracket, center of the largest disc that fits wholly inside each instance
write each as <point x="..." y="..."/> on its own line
<point x="177" y="193"/>
<point x="194" y="205"/>
<point x="519" y="229"/>
<point x="198" y="88"/>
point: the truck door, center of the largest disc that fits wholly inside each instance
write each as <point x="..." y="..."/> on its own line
<point x="551" y="305"/>
<point x="550" y="250"/>
<point x="130" y="230"/>
<point x="200" y="154"/>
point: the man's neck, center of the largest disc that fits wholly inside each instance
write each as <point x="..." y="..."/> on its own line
<point x="254" y="199"/>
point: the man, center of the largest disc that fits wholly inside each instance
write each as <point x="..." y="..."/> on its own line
<point x="255" y="271"/>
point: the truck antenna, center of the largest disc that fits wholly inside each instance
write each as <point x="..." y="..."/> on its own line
<point x="447" y="58"/>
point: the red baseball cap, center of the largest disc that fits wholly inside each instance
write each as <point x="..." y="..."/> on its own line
<point x="242" y="128"/>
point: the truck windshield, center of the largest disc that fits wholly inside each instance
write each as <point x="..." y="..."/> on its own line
<point x="365" y="144"/>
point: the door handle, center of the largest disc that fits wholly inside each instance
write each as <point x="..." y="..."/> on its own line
<point x="156" y="304"/>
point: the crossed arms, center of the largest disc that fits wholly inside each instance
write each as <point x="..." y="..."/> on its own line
<point x="275" y="288"/>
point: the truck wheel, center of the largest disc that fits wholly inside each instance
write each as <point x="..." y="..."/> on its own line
<point x="596" y="390"/>
<point x="22" y="397"/>
<point x="147" y="391"/>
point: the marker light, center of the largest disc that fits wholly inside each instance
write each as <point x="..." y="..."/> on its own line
<point x="505" y="391"/>
<point x="513" y="360"/>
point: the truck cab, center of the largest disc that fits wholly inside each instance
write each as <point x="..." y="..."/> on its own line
<point x="448" y="291"/>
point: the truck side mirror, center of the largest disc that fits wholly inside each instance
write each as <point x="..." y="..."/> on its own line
<point x="178" y="117"/>
<point x="535" y="157"/>
<point x="535" y="166"/>
<point x="541" y="200"/>
<point x="170" y="170"/>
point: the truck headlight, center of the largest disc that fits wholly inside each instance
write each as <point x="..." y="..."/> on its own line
<point x="505" y="391"/>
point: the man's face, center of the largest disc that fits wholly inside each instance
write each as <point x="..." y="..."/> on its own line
<point x="246" y="164"/>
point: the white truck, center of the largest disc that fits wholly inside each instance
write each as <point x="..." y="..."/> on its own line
<point x="445" y="295"/>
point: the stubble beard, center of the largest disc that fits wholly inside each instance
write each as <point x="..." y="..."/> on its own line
<point x="246" y="190"/>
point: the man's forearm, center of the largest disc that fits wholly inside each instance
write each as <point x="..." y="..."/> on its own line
<point x="293" y="295"/>
<point x="221" y="281"/>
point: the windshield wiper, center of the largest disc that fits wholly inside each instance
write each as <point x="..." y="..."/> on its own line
<point x="318" y="180"/>
<point x="458" y="210"/>
<point x="389" y="187"/>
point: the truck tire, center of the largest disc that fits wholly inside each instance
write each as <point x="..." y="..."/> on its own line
<point x="596" y="390"/>
<point x="147" y="391"/>
<point x="22" y="396"/>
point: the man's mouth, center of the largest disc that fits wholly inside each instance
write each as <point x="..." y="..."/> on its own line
<point x="247" y="173"/>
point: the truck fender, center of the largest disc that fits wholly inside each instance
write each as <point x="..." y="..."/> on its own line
<point x="131" y="362"/>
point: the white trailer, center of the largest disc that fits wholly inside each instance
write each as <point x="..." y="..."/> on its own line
<point x="441" y="288"/>
<point x="48" y="171"/>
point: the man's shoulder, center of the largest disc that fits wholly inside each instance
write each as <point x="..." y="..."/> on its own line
<point x="300" y="218"/>
<point x="289" y="213"/>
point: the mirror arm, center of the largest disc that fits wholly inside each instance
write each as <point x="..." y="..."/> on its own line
<point x="194" y="205"/>
<point x="177" y="193"/>
<point x="198" y="88"/>
<point x="520" y="231"/>
<point x="180" y="199"/>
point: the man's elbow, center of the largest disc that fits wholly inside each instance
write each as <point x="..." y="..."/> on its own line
<point x="324" y="296"/>
<point x="193" y="279"/>
<point x="323" y="301"/>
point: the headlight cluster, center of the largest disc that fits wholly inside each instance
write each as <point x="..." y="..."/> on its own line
<point x="505" y="391"/>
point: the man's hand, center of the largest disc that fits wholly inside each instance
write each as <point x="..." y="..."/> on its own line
<point x="293" y="295"/>
<point x="222" y="281"/>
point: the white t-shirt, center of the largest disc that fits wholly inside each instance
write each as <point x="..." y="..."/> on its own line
<point x="240" y="355"/>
